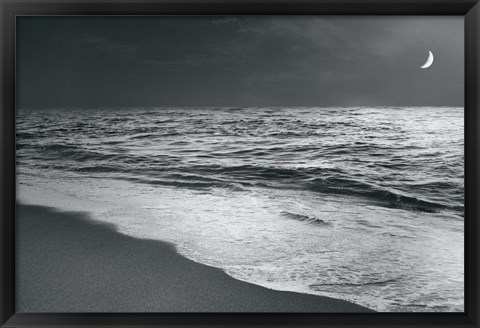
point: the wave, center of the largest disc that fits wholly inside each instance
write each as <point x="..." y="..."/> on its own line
<point x="171" y="171"/>
<point x="26" y="135"/>
<point x="376" y="193"/>
<point x="351" y="284"/>
<point x="74" y="152"/>
<point x="306" y="218"/>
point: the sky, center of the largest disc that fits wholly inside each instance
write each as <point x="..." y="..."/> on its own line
<point x="165" y="61"/>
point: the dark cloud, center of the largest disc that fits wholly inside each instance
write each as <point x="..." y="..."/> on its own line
<point x="224" y="20"/>
<point x="238" y="61"/>
<point x="114" y="49"/>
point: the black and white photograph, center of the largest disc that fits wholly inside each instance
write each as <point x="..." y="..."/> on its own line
<point x="262" y="163"/>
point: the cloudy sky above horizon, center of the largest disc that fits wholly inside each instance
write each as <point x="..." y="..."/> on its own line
<point x="239" y="61"/>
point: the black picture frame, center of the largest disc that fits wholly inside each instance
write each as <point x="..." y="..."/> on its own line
<point x="9" y="9"/>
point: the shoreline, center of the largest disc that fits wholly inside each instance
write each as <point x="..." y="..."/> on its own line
<point x="67" y="262"/>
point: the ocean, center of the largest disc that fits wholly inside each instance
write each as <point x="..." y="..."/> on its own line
<point x="364" y="204"/>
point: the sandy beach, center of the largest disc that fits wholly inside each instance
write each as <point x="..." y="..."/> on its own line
<point x="67" y="262"/>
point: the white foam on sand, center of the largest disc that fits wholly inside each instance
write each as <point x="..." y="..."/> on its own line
<point x="381" y="258"/>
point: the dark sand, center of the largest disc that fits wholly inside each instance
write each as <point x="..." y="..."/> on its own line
<point x="67" y="262"/>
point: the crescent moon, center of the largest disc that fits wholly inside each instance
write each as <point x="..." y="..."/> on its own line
<point x="429" y="61"/>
